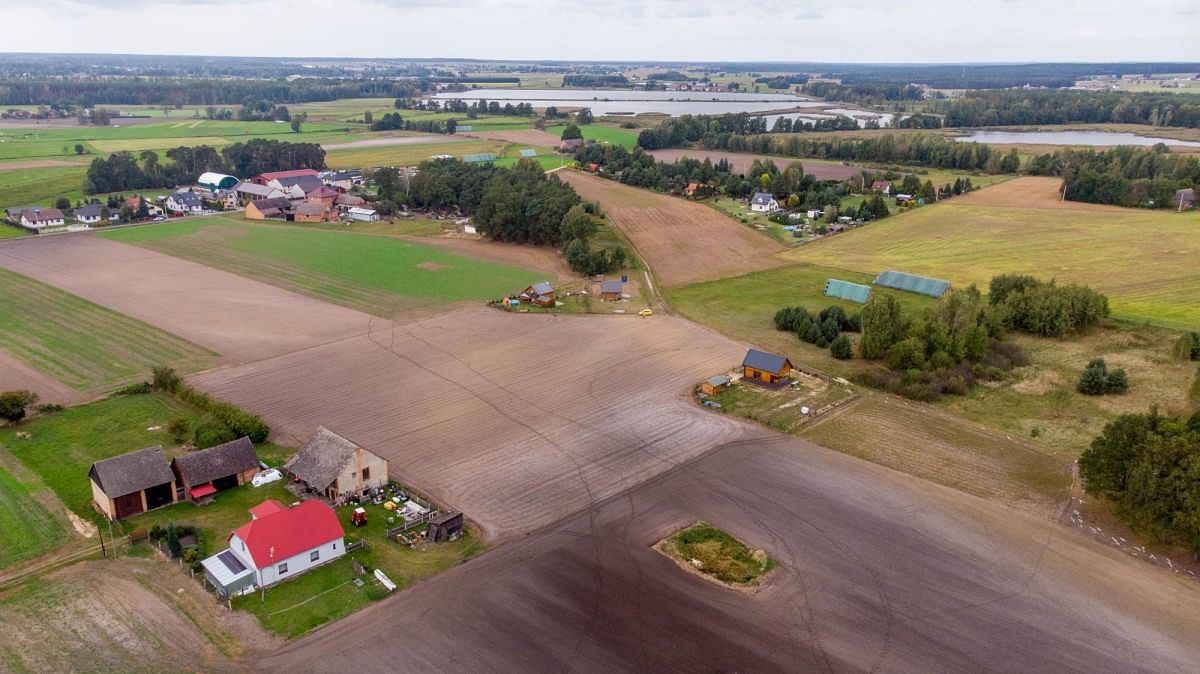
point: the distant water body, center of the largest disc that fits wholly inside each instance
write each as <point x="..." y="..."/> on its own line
<point x="1092" y="138"/>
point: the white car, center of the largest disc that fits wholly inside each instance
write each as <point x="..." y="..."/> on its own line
<point x="266" y="477"/>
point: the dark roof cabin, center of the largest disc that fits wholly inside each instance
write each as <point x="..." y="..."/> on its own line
<point x="207" y="471"/>
<point x="611" y="290"/>
<point x="541" y="294"/>
<point x="444" y="526"/>
<point x="768" y="368"/>
<point x="129" y="484"/>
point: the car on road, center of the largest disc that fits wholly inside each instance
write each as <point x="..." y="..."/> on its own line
<point x="646" y="312"/>
<point x="266" y="477"/>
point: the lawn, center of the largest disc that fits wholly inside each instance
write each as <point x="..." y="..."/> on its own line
<point x="27" y="187"/>
<point x="27" y="527"/>
<point x="407" y="155"/>
<point x="715" y="553"/>
<point x="63" y="446"/>
<point x="8" y="231"/>
<point x="82" y="344"/>
<point x="1144" y="260"/>
<point x="374" y="274"/>
<point x="601" y="132"/>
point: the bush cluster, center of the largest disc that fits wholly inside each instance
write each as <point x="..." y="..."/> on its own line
<point x="236" y="420"/>
<point x="1187" y="347"/>
<point x="1030" y="305"/>
<point x="1097" y="379"/>
<point x="821" y="329"/>
<point x="13" y="404"/>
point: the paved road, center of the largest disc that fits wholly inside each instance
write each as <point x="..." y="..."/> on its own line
<point x="877" y="571"/>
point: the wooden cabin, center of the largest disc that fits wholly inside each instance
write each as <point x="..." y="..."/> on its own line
<point x="715" y="385"/>
<point x="768" y="368"/>
<point x="611" y="290"/>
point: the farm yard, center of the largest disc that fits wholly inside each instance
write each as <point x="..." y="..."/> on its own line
<point x="1143" y="260"/>
<point x="682" y="241"/>
<point x="379" y="276"/>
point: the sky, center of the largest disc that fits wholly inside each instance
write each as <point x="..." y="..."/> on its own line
<point x="843" y="31"/>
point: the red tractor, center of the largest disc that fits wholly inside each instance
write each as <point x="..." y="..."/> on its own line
<point x="359" y="517"/>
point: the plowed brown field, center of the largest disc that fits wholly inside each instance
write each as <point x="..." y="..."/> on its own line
<point x="514" y="419"/>
<point x="741" y="162"/>
<point x="682" y="241"/>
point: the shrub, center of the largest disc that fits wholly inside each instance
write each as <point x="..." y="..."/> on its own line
<point x="179" y="429"/>
<point x="165" y="379"/>
<point x="210" y="434"/>
<point x="841" y="348"/>
<point x="1054" y="311"/>
<point x="13" y="404"/>
<point x="907" y="354"/>
<point x="1187" y="347"/>
<point x="1116" y="382"/>
<point x="1094" y="378"/>
<point x="788" y="318"/>
<point x="1003" y="285"/>
<point x="49" y="408"/>
<point x="1194" y="390"/>
<point x="882" y="325"/>
<point x="136" y="388"/>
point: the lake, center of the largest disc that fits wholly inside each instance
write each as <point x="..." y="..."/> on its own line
<point x="623" y="101"/>
<point x="1092" y="138"/>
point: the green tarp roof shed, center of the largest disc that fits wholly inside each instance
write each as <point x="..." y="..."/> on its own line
<point x="855" y="292"/>
<point x="476" y="158"/>
<point x="921" y="285"/>
<point x="528" y="153"/>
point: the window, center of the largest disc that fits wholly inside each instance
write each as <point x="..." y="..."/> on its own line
<point x="283" y="568"/>
<point x="366" y="474"/>
<point x="316" y="554"/>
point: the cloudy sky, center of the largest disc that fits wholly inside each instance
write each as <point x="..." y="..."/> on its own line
<point x="793" y="30"/>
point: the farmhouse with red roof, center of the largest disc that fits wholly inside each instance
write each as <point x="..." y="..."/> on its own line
<point x="277" y="543"/>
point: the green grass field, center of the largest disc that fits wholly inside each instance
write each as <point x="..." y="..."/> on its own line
<point x="82" y="344"/>
<point x="26" y="526"/>
<point x="407" y="155"/>
<point x="373" y="274"/>
<point x="600" y="132"/>
<point x="1145" y="261"/>
<point x="41" y="185"/>
<point x="63" y="446"/>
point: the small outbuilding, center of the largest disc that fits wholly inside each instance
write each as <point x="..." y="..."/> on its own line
<point x="1184" y="198"/>
<point x="207" y="471"/>
<point x="337" y="468"/>
<point x="768" y="368"/>
<point x="715" y="385"/>
<point x="541" y="294"/>
<point x="362" y="214"/>
<point x="611" y="290"/>
<point x="274" y="207"/>
<point x="133" y="483"/>
<point x="444" y="526"/>
<point x="311" y="211"/>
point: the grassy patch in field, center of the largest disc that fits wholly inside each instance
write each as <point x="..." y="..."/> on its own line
<point x="626" y="138"/>
<point x="1143" y="260"/>
<point x="718" y="555"/>
<point x="374" y="274"/>
<point x="27" y="527"/>
<point x="8" y="231"/>
<point x="782" y="409"/>
<point x="407" y="155"/>
<point x="82" y="344"/>
<point x="63" y="446"/>
<point x="28" y="187"/>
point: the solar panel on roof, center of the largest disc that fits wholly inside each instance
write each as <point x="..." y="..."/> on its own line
<point x="855" y="292"/>
<point x="231" y="562"/>
<point x="912" y="283"/>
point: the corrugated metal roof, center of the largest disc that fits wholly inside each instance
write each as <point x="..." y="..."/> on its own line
<point x="476" y="158"/>
<point x="855" y="292"/>
<point x="912" y="283"/>
<point x="528" y="153"/>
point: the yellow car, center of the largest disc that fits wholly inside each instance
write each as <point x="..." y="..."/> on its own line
<point x="645" y="312"/>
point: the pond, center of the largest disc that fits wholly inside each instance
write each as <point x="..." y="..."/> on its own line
<point x="1091" y="138"/>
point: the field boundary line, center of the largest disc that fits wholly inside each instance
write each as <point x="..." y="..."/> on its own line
<point x="59" y="562"/>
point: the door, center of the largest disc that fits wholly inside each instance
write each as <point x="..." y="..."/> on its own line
<point x="128" y="505"/>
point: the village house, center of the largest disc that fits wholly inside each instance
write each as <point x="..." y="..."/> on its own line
<point x="227" y="199"/>
<point x="152" y="209"/>
<point x="341" y="180"/>
<point x="324" y="195"/>
<point x="261" y="209"/>
<point x="764" y="367"/>
<point x="336" y="468"/>
<point x="90" y="214"/>
<point x="277" y="544"/>
<point x="763" y="202"/>
<point x="882" y="186"/>
<point x="296" y="187"/>
<point x="274" y="176"/>
<point x="13" y="213"/>
<point x="247" y="192"/>
<point x="611" y="290"/>
<point x="133" y="483"/>
<point x="40" y="218"/>
<point x="310" y="211"/>
<point x="185" y="202"/>
<point x="541" y="294"/>
<point x="207" y="471"/>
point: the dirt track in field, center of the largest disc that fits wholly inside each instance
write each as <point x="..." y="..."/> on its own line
<point x="239" y="318"/>
<point x="741" y="162"/>
<point x="521" y="137"/>
<point x="682" y="241"/>
<point x="386" y="141"/>
<point x="16" y="375"/>
<point x="1030" y="192"/>
<point x="36" y="163"/>
<point x="514" y="419"/>
<point x="877" y="571"/>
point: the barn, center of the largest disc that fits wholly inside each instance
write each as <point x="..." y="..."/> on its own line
<point x="211" y="182"/>
<point x="208" y="471"/>
<point x="768" y="368"/>
<point x="129" y="484"/>
<point x="922" y="285"/>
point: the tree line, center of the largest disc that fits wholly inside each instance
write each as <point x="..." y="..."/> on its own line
<point x="88" y="92"/>
<point x="121" y="171"/>
<point x="1017" y="106"/>
<point x="1121" y="176"/>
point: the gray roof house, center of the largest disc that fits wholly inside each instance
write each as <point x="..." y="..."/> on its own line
<point x="185" y="201"/>
<point x="763" y="201"/>
<point x="132" y="483"/>
<point x="207" y="471"/>
<point x="89" y="213"/>
<point x="766" y="367"/>
<point x="333" y="466"/>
